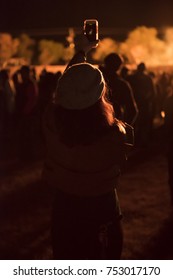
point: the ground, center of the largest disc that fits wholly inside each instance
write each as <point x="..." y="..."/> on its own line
<point x="144" y="197"/>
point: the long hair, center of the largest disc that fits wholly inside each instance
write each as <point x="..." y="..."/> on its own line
<point x="82" y="127"/>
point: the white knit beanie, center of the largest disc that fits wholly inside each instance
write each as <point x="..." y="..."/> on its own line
<point x="80" y="87"/>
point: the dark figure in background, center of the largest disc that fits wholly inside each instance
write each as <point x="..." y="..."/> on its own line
<point x="124" y="73"/>
<point x="144" y="93"/>
<point x="120" y="92"/>
<point x="26" y="101"/>
<point x="163" y="84"/>
<point x="85" y="152"/>
<point x="7" y="107"/>
<point x="155" y="101"/>
<point x="168" y="108"/>
<point x="47" y="85"/>
<point x="27" y="93"/>
<point x="3" y="107"/>
<point x="3" y="110"/>
<point x="33" y="73"/>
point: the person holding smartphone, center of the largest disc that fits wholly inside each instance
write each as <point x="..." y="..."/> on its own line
<point x="85" y="153"/>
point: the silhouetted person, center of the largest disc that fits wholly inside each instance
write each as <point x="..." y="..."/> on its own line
<point x="168" y="137"/>
<point x="124" y="73"/>
<point x="27" y="93"/>
<point x="47" y="85"/>
<point x="120" y="92"/>
<point x="7" y="102"/>
<point x="144" y="93"/>
<point x="85" y="152"/>
<point x="156" y="97"/>
<point x="163" y="88"/>
<point x="3" y="109"/>
<point x="26" y="101"/>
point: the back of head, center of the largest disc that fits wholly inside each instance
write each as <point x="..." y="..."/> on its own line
<point x="80" y="87"/>
<point x="25" y="72"/>
<point x="113" y="61"/>
<point x="82" y="111"/>
<point x="4" y="75"/>
<point x="141" y="67"/>
<point x="25" y="69"/>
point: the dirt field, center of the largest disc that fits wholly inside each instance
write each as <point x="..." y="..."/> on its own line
<point x="144" y="197"/>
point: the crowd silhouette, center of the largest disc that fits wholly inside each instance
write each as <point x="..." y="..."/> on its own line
<point x="23" y="99"/>
<point x="140" y="98"/>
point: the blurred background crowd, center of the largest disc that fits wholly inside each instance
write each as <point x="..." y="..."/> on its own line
<point x="25" y="94"/>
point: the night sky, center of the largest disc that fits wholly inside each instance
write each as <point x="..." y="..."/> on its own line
<point x="30" y="14"/>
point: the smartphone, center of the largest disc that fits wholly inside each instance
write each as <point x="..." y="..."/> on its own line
<point x="91" y="29"/>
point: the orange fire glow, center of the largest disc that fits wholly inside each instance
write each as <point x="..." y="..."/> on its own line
<point x="142" y="45"/>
